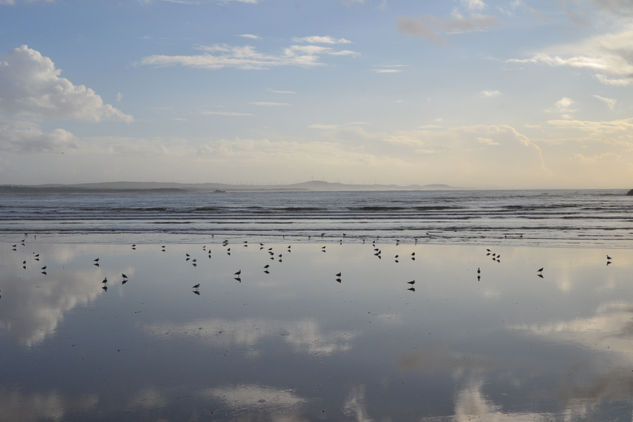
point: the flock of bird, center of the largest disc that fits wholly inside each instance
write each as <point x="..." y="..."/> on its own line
<point x="274" y="256"/>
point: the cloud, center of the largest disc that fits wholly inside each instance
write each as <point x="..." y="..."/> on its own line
<point x="225" y="113"/>
<point x="196" y="2"/>
<point x="30" y="85"/>
<point x="250" y="36"/>
<point x="610" y="102"/>
<point x="473" y="4"/>
<point x="431" y="27"/>
<point x="281" y="91"/>
<point x="321" y="39"/>
<point x="220" y="56"/>
<point x="563" y="106"/>
<point x="617" y="7"/>
<point x="269" y="104"/>
<point x="608" y="55"/>
<point x="387" y="69"/>
<point x="25" y="137"/>
<point x="490" y="94"/>
<point x="304" y="336"/>
<point x="13" y="2"/>
<point x="254" y="397"/>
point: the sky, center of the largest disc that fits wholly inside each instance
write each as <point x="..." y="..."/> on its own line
<point x="470" y="93"/>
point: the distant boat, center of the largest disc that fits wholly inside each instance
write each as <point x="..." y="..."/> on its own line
<point x="219" y="191"/>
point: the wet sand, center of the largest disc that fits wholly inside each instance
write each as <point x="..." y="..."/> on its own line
<point x="300" y="342"/>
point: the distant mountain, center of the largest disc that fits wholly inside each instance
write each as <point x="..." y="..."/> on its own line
<point x="116" y="187"/>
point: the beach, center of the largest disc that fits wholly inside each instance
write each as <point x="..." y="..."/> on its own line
<point x="322" y="329"/>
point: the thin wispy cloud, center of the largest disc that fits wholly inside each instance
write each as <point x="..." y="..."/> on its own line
<point x="225" y="113"/>
<point x="220" y="56"/>
<point x="610" y="102"/>
<point x="490" y="93"/>
<point x="250" y="36"/>
<point x="321" y="39"/>
<point x="610" y="56"/>
<point x="432" y="27"/>
<point x="281" y="91"/>
<point x="269" y="104"/>
<point x="393" y="68"/>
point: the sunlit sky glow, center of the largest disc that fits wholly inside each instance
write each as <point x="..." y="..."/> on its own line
<point x="472" y="93"/>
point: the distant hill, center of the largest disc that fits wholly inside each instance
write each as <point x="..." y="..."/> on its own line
<point x="121" y="187"/>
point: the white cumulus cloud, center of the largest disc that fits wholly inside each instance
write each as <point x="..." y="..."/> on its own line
<point x="31" y="85"/>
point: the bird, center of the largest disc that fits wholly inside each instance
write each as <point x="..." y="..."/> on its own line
<point x="44" y="267"/>
<point x="196" y="292"/>
<point x="412" y="282"/>
<point x="196" y="286"/>
<point x="338" y="280"/>
<point x="105" y="288"/>
<point x="105" y="280"/>
<point x="266" y="266"/>
<point x="96" y="260"/>
<point x="238" y="272"/>
<point x="411" y="289"/>
<point x="540" y="270"/>
<point x="338" y="274"/>
<point x="123" y="275"/>
<point x="478" y="270"/>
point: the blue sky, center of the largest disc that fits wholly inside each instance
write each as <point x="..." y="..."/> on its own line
<point x="473" y="93"/>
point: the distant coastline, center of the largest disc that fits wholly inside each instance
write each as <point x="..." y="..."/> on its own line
<point x="157" y="187"/>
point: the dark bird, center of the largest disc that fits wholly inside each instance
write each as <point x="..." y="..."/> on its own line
<point x="44" y="272"/>
<point x="608" y="258"/>
<point x="196" y="286"/>
<point x="412" y="282"/>
<point x="478" y="270"/>
<point x="105" y="288"/>
<point x="238" y="272"/>
<point x="338" y="280"/>
<point x="411" y="289"/>
<point x="196" y="292"/>
<point x="267" y="265"/>
<point x="124" y="281"/>
<point x="338" y="274"/>
<point x="44" y="267"/>
<point x="123" y="275"/>
<point x="238" y="279"/>
<point x="96" y="260"/>
<point x="540" y="270"/>
<point x="540" y="275"/>
<point x="267" y="272"/>
<point x="105" y="280"/>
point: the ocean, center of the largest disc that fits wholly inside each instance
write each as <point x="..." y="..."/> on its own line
<point x="433" y="306"/>
<point x="521" y="217"/>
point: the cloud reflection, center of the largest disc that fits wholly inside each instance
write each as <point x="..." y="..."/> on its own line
<point x="31" y="311"/>
<point x="305" y="336"/>
<point x="16" y="406"/>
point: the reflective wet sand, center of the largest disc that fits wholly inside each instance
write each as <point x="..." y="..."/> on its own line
<point x="301" y="343"/>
